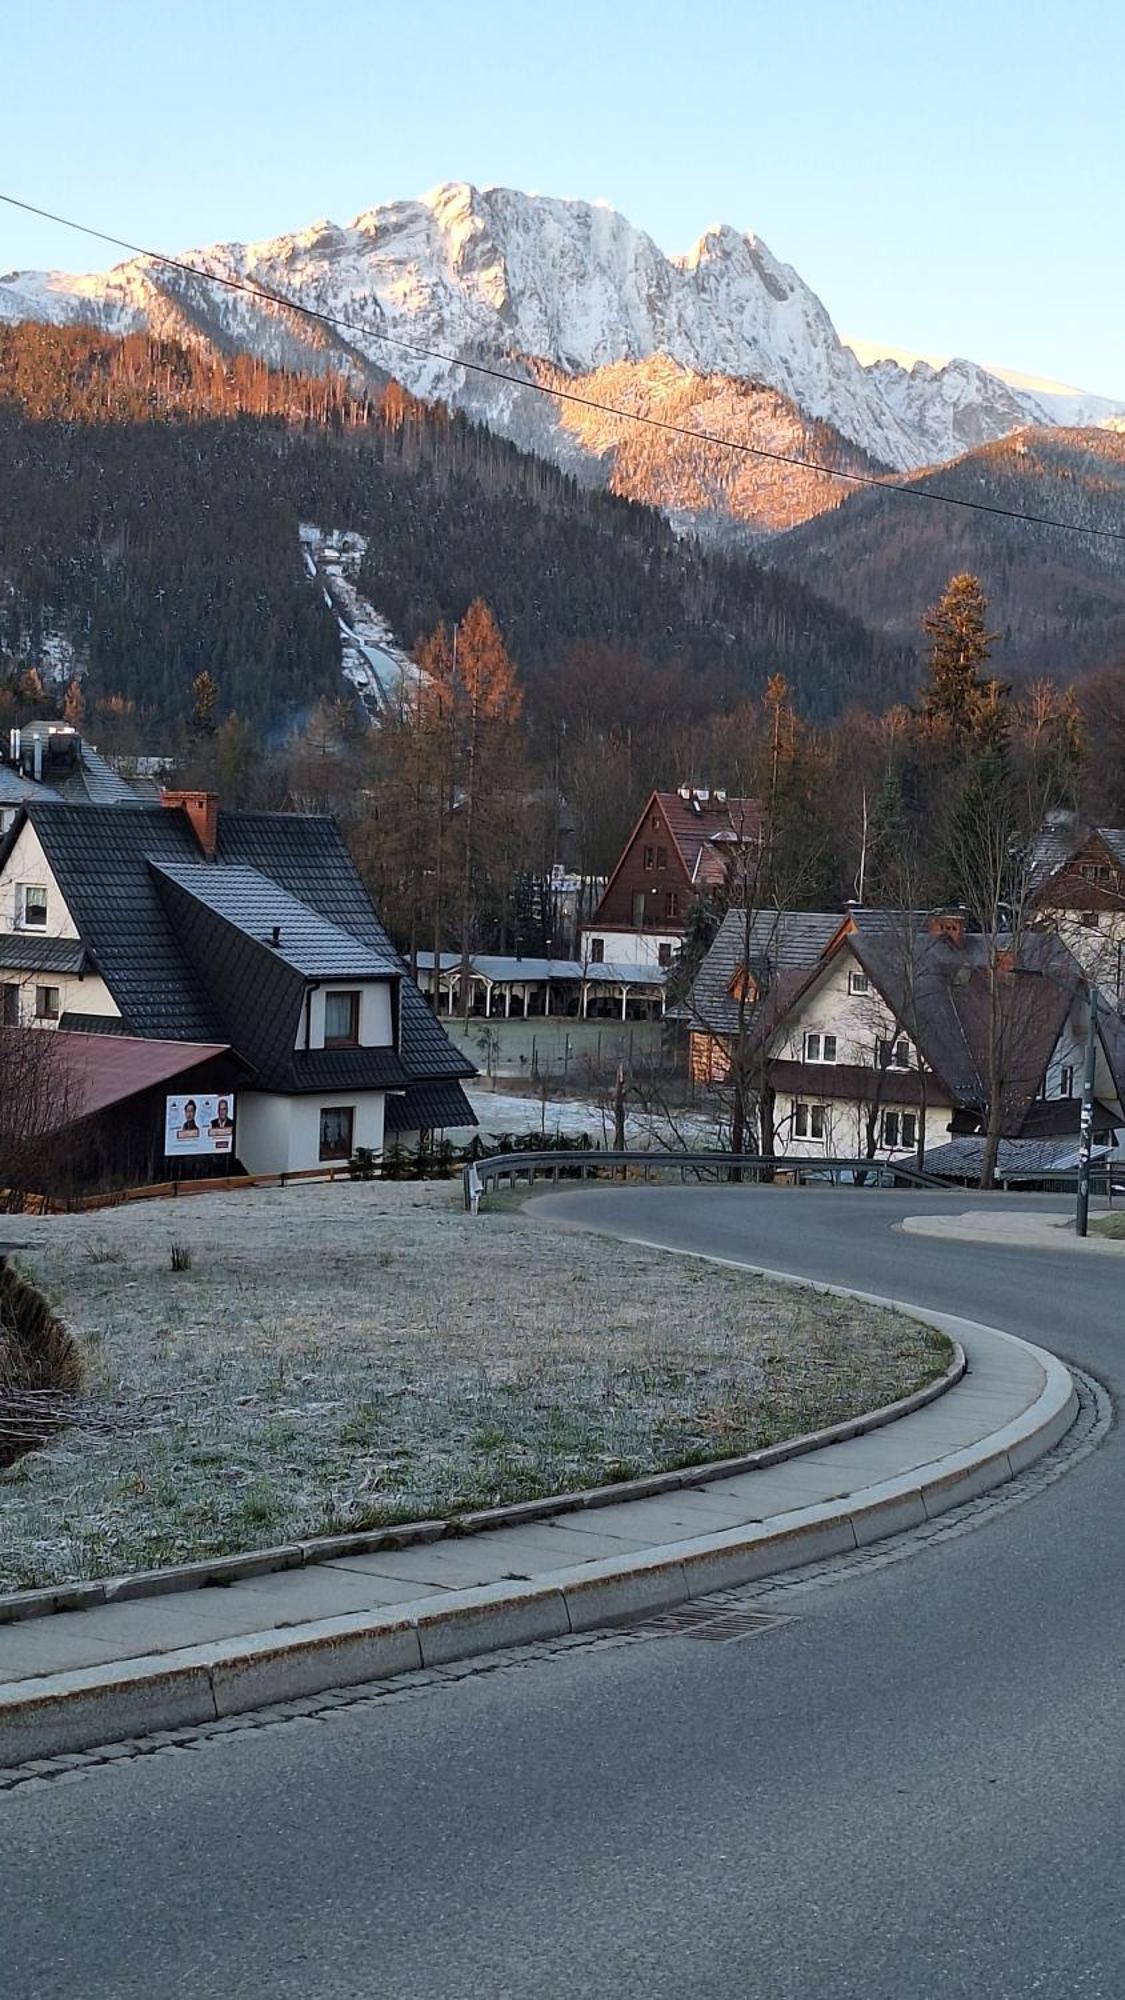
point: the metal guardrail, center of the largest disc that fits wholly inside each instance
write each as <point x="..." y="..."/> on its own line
<point x="479" y="1175"/>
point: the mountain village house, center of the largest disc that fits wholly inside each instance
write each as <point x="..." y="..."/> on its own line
<point x="683" y="846"/>
<point x="174" y="948"/>
<point x="874" y="1036"/>
<point x="1079" y="887"/>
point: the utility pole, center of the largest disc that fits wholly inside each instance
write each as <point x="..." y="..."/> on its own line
<point x="1087" y="1130"/>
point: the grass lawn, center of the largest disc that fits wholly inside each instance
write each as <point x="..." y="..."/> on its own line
<point x="1108" y="1225"/>
<point x="341" y="1357"/>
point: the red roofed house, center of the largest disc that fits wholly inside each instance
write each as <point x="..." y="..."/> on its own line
<point x="681" y="847"/>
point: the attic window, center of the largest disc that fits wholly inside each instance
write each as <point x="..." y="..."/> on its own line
<point x="858" y="983"/>
<point x="1095" y="871"/>
<point x="341" y="1020"/>
<point x="744" y="986"/>
<point x="820" y="1048"/>
<point x="32" y="907"/>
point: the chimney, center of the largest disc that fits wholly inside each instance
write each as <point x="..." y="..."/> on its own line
<point x="950" y="925"/>
<point x="202" y="809"/>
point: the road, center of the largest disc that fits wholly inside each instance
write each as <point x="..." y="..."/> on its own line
<point x="910" y="1791"/>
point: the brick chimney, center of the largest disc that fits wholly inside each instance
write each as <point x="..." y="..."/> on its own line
<point x="950" y="925"/>
<point x="202" y="809"/>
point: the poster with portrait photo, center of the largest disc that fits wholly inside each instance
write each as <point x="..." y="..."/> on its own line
<point x="198" y="1123"/>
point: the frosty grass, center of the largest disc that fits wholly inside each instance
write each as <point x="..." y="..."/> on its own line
<point x="340" y="1357"/>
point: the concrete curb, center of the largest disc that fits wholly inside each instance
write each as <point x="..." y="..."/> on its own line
<point x="62" y="1713"/>
<point x="21" y="1604"/>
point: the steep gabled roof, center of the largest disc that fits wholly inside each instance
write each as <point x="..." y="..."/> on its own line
<point x="117" y="874"/>
<point x="294" y="933"/>
<point x="781" y="943"/>
<point x="704" y="829"/>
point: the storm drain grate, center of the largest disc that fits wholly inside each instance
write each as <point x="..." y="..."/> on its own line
<point x="708" y="1621"/>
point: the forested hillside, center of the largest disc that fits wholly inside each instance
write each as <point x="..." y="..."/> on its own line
<point x="149" y="514"/>
<point x="1057" y="600"/>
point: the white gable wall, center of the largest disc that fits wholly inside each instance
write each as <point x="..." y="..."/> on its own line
<point x="28" y="863"/>
<point x="376" y="1020"/>
<point x="859" y="1022"/>
<point x="85" y="994"/>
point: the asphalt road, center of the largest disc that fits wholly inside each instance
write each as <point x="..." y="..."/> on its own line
<point x="911" y="1791"/>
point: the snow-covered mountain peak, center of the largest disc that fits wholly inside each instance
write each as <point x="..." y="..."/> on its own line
<point x="521" y="280"/>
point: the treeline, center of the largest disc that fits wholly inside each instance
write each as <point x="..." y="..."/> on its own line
<point x="1057" y="597"/>
<point x="149" y="515"/>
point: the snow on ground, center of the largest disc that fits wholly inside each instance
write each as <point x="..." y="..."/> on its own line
<point x="648" y="1129"/>
<point x="375" y="664"/>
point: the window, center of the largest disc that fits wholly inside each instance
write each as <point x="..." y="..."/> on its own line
<point x="1095" y="871"/>
<point x="820" y="1048"/>
<point x="597" y="951"/>
<point x="900" y="1128"/>
<point x="894" y="1054"/>
<point x="32" y="907"/>
<point x="664" y="954"/>
<point x="671" y="904"/>
<point x="337" y="1124"/>
<point x="809" y="1120"/>
<point x="662" y="857"/>
<point x="858" y="982"/>
<point x="341" y="1020"/>
<point x="10" y="1011"/>
<point x="655" y="822"/>
<point x="650" y="857"/>
<point x="639" y="910"/>
<point x="1066" y="1080"/>
<point x="46" y="1003"/>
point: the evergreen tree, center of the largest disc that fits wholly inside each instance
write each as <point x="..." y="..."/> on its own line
<point x="204" y="699"/>
<point x="958" y="698"/>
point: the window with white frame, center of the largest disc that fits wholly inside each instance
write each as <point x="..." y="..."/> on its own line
<point x="900" y="1128"/>
<point x="810" y="1121"/>
<point x="894" y="1053"/>
<point x="1066" y="1080"/>
<point x="819" y="1047"/>
<point x="858" y="983"/>
<point x="341" y="1019"/>
<point x="31" y="907"/>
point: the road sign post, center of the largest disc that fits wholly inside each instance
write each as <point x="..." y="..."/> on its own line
<point x="1086" y="1139"/>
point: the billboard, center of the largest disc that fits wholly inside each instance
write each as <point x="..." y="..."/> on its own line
<point x="196" y="1125"/>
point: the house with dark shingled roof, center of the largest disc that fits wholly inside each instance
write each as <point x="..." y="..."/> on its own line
<point x="247" y="935"/>
<point x="869" y="1034"/>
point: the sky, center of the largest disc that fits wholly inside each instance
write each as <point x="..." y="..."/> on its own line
<point x="948" y="177"/>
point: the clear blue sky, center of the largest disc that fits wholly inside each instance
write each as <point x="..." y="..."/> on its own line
<point x="949" y="177"/>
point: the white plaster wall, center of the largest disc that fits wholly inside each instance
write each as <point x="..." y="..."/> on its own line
<point x="280" y="1135"/>
<point x="304" y="1124"/>
<point x="86" y="995"/>
<point x="629" y="947"/>
<point x="375" y="1017"/>
<point x="858" y="1021"/>
<point x="846" y="1127"/>
<point x="28" y="863"/>
<point x="261" y="1131"/>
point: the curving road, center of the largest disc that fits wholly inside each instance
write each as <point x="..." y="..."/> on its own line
<point x="911" y="1791"/>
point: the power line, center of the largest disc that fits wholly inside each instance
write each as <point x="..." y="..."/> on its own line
<point x="340" y="321"/>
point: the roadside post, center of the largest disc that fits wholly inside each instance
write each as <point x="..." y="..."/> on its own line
<point x="1085" y="1143"/>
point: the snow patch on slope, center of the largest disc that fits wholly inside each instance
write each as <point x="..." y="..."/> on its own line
<point x="373" y="662"/>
